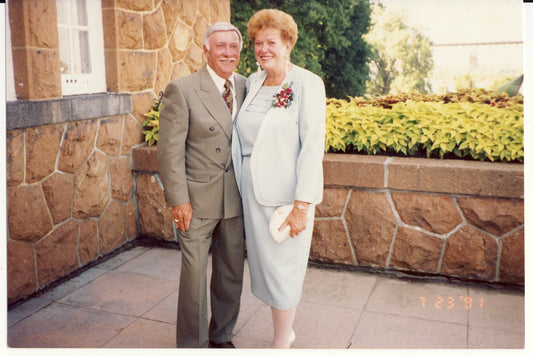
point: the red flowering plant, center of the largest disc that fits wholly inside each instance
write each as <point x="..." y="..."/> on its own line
<point x="284" y="98"/>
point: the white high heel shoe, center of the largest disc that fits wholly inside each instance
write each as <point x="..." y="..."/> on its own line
<point x="292" y="337"/>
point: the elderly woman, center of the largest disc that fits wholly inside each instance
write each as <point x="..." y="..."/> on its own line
<point x="278" y="146"/>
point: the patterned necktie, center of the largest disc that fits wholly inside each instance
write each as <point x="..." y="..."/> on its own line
<point x="228" y="96"/>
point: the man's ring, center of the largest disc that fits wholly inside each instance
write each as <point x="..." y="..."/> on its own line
<point x="176" y="220"/>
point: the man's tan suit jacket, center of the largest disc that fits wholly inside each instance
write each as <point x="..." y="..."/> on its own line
<point x="194" y="147"/>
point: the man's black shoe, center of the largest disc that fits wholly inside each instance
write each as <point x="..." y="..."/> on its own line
<point x="223" y="345"/>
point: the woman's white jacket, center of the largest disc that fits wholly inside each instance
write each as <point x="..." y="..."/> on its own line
<point x="286" y="161"/>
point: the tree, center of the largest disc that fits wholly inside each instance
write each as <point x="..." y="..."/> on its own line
<point x="329" y="44"/>
<point x="401" y="56"/>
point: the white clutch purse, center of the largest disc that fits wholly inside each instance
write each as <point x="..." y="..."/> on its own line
<point x="278" y="217"/>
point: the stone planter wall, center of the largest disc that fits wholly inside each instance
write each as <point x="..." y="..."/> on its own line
<point x="69" y="182"/>
<point x="451" y="218"/>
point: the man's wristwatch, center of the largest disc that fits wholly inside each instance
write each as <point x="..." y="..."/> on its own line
<point x="301" y="206"/>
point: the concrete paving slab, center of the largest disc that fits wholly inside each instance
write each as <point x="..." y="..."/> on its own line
<point x="337" y="288"/>
<point x="26" y="309"/>
<point x="497" y="310"/>
<point x="122" y="292"/>
<point x="160" y="263"/>
<point x="166" y="311"/>
<point x="122" y="258"/>
<point x="60" y="326"/>
<point x="481" y="338"/>
<point x="417" y="299"/>
<point x="144" y="333"/>
<point x="71" y="285"/>
<point x="385" y="331"/>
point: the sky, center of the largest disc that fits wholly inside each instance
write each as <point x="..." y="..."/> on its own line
<point x="460" y="21"/>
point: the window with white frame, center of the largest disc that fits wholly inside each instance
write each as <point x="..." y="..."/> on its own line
<point x="81" y="49"/>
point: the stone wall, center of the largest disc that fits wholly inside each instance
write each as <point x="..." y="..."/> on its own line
<point x="460" y="219"/>
<point x="70" y="189"/>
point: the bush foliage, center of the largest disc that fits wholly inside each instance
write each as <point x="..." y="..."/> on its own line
<point x="453" y="126"/>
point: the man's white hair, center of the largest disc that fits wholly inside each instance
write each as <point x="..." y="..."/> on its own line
<point x="221" y="26"/>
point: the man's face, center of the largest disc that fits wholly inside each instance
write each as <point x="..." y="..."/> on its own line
<point x="223" y="53"/>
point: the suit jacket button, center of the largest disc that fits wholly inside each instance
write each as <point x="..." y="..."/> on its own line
<point x="227" y="170"/>
<point x="218" y="150"/>
<point x="211" y="129"/>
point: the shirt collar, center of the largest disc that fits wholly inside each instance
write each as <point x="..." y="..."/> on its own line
<point x="219" y="81"/>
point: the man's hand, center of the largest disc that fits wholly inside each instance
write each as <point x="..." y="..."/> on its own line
<point x="182" y="215"/>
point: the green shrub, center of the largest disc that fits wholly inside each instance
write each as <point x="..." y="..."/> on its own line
<point x="151" y="135"/>
<point x="433" y="129"/>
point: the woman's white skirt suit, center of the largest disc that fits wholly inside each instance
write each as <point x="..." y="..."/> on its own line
<point x="277" y="157"/>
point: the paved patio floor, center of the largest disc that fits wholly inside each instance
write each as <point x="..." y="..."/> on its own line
<point x="129" y="301"/>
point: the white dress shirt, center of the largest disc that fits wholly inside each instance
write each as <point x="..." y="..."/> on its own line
<point x="219" y="82"/>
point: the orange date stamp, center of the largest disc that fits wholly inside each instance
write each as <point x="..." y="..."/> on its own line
<point x="449" y="302"/>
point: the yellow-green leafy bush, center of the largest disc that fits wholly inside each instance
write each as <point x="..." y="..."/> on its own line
<point x="434" y="129"/>
<point x="151" y="124"/>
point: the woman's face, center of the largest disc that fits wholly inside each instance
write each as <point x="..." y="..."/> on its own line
<point x="271" y="51"/>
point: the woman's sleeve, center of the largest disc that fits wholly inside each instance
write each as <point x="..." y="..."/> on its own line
<point x="312" y="129"/>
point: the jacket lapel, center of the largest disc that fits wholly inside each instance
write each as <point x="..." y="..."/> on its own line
<point x="213" y="102"/>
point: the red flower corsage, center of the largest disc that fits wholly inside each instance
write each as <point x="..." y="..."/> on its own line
<point x="284" y="98"/>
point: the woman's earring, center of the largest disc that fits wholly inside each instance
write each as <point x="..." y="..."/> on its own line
<point x="258" y="66"/>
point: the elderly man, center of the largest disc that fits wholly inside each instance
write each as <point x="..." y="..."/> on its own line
<point x="194" y="152"/>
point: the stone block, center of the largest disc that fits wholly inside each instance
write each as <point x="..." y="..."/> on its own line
<point x="27" y="214"/>
<point x="110" y="135"/>
<point x="136" y="70"/>
<point x="42" y="146"/>
<point x="333" y="202"/>
<point x="45" y="74"/>
<point x="496" y="216"/>
<point x="21" y="274"/>
<point x="145" y="159"/>
<point x="109" y="27"/>
<point x="194" y="58"/>
<point x="188" y="11"/>
<point x="132" y="136"/>
<point x="137" y="5"/>
<point x="433" y="213"/>
<point x="128" y="30"/>
<point x="199" y="27"/>
<point x="179" y="70"/>
<point x="457" y="177"/>
<point x="220" y="11"/>
<point x="112" y="227"/>
<point x="154" y="31"/>
<point x="57" y="254"/>
<point x="121" y="180"/>
<point x="330" y="242"/>
<point x="88" y="244"/>
<point x="78" y="144"/>
<point x="91" y="187"/>
<point x="180" y="41"/>
<point x="21" y="72"/>
<point x="155" y="219"/>
<point x="512" y="267"/>
<point x="371" y="224"/>
<point x="131" y="222"/>
<point x="204" y="9"/>
<point x="171" y="12"/>
<point x="111" y="69"/>
<point x="470" y="253"/>
<point x="142" y="104"/>
<point x="58" y="191"/>
<point x="14" y="157"/>
<point x="164" y="70"/>
<point x="354" y="170"/>
<point x="41" y="21"/>
<point x="416" y="251"/>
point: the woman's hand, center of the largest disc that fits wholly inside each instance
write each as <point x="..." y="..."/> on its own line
<point x="297" y="218"/>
